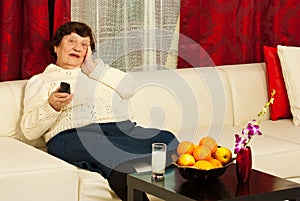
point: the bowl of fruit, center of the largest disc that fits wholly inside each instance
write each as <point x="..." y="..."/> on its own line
<point x="203" y="161"/>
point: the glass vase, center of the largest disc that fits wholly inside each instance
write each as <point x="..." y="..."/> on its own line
<point x="244" y="164"/>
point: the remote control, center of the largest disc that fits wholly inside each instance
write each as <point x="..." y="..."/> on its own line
<point x="65" y="87"/>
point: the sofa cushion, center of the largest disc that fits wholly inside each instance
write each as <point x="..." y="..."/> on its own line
<point x="11" y="107"/>
<point x="290" y="63"/>
<point x="249" y="91"/>
<point x="280" y="109"/>
<point x="178" y="99"/>
<point x="276" y="151"/>
<point x="27" y="173"/>
<point x="282" y="129"/>
<point x="281" y="164"/>
<point x="94" y="187"/>
<point x="10" y="103"/>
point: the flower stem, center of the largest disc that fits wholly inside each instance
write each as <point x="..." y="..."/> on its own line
<point x="264" y="109"/>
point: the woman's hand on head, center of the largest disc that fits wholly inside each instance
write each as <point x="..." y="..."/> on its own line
<point x="88" y="64"/>
<point x="58" y="100"/>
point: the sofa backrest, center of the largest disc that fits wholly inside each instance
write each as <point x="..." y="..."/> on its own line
<point x="184" y="101"/>
<point x="11" y="107"/>
<point x="248" y="84"/>
<point x="199" y="100"/>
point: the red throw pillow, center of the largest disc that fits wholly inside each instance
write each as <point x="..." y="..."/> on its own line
<point x="280" y="109"/>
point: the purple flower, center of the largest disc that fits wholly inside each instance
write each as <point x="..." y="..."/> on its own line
<point x="239" y="143"/>
<point x="252" y="128"/>
<point x="242" y="140"/>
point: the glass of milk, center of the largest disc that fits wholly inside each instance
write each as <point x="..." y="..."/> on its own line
<point x="158" y="160"/>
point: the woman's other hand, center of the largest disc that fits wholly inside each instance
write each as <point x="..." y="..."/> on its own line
<point x="58" y="100"/>
<point x="88" y="64"/>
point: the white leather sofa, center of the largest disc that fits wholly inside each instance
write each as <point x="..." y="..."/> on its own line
<point x="215" y="101"/>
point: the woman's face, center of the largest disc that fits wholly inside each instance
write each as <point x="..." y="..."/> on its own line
<point x="71" y="51"/>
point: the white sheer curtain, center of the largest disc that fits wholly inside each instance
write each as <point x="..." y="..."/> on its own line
<point x="132" y="35"/>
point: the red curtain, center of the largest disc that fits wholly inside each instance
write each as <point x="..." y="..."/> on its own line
<point x="25" y="31"/>
<point x="220" y="32"/>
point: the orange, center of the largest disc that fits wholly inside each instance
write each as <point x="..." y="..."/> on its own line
<point x="203" y="165"/>
<point x="202" y="153"/>
<point x="185" y="147"/>
<point x="215" y="163"/>
<point x="186" y="160"/>
<point x="210" y="143"/>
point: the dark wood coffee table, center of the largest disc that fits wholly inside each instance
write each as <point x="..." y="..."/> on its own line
<point x="261" y="186"/>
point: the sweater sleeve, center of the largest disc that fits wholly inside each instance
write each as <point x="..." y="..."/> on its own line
<point x="117" y="80"/>
<point x="38" y="115"/>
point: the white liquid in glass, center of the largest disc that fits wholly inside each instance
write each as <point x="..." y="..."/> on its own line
<point x="158" y="162"/>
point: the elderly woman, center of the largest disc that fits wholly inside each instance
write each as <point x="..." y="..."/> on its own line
<point x="88" y="127"/>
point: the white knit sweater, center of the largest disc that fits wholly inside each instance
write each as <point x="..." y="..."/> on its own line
<point x="99" y="97"/>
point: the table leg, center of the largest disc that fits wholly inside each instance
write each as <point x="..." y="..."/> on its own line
<point x="134" y="195"/>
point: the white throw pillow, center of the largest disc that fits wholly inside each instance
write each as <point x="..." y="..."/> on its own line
<point x="290" y="63"/>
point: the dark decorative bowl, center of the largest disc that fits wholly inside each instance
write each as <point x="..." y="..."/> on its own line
<point x="194" y="174"/>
